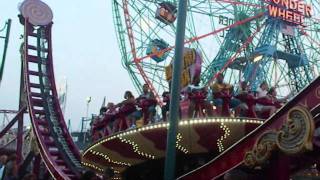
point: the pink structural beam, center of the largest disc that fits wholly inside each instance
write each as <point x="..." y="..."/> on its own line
<point x="12" y="122"/>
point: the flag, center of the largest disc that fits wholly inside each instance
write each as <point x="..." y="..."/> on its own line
<point x="103" y="102"/>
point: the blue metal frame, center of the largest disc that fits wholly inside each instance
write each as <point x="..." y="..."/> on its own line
<point x="270" y="48"/>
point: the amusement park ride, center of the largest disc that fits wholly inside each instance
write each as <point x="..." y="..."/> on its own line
<point x="275" y="41"/>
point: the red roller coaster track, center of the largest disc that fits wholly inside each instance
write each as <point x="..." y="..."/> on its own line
<point x="57" y="149"/>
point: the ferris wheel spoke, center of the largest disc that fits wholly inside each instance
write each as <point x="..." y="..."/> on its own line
<point x="152" y="68"/>
<point x="208" y="34"/>
<point x="133" y="47"/>
<point x="204" y="10"/>
<point x="136" y="70"/>
<point x="147" y="22"/>
<point x="155" y="66"/>
<point x="244" y="46"/>
<point x="192" y="32"/>
<point x="196" y="10"/>
<point x="240" y="3"/>
<point x="282" y="69"/>
<point x="139" y="16"/>
<point x="153" y="79"/>
<point x="144" y="8"/>
<point x="316" y="6"/>
<point x="312" y="47"/>
<point x="161" y="79"/>
<point x="311" y="40"/>
<point x="213" y="24"/>
<point x="314" y="55"/>
<point x="145" y="41"/>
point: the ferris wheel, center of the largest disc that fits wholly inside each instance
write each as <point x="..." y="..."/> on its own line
<point x="241" y="39"/>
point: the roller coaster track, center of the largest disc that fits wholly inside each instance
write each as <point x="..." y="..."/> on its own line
<point x="56" y="147"/>
<point x="308" y="98"/>
<point x="6" y="28"/>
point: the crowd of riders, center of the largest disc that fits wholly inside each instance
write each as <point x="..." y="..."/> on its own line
<point x="220" y="100"/>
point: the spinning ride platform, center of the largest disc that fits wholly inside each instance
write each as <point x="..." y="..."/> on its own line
<point x="144" y="147"/>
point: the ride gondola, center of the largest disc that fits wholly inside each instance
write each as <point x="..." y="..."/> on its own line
<point x="166" y="13"/>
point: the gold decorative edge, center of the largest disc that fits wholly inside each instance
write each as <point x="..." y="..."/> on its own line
<point x="294" y="137"/>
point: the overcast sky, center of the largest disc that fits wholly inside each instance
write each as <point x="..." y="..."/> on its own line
<point x="85" y="51"/>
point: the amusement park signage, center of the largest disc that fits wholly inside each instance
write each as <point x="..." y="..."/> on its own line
<point x="191" y="67"/>
<point x="293" y="11"/>
<point x="226" y="21"/>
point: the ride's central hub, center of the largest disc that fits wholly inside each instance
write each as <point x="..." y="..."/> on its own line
<point x="139" y="150"/>
<point x="292" y="11"/>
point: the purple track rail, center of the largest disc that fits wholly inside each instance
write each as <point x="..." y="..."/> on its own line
<point x="57" y="149"/>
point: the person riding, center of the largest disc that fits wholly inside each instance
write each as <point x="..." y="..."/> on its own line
<point x="128" y="112"/>
<point x="98" y="124"/>
<point x="223" y="100"/>
<point x="262" y="91"/>
<point x="148" y="104"/>
<point x="248" y="100"/>
<point x="165" y="108"/>
<point x="3" y="161"/>
<point x="109" y="118"/>
<point x="277" y="102"/>
<point x="11" y="171"/>
<point x="265" y="106"/>
<point x="197" y="96"/>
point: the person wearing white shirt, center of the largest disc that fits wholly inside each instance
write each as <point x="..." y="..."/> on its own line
<point x="3" y="160"/>
<point x="262" y="92"/>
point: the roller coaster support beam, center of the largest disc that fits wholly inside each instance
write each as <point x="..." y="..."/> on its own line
<point x="12" y="122"/>
<point x="169" y="171"/>
<point x="22" y="103"/>
<point x="6" y="42"/>
<point x="6" y="111"/>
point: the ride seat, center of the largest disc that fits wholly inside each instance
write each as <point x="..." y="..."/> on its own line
<point x="166" y="12"/>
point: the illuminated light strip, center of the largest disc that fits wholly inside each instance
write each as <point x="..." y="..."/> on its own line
<point x="109" y="159"/>
<point x="220" y="140"/>
<point x="220" y="120"/>
<point x="98" y="143"/>
<point x="180" y="147"/>
<point x="92" y="166"/>
<point x="136" y="148"/>
<point x="181" y="123"/>
<point x="100" y="169"/>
